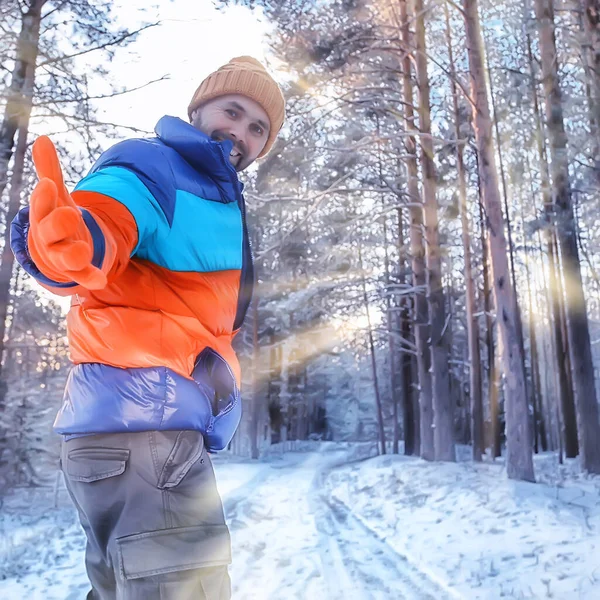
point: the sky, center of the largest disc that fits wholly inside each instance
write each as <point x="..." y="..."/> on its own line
<point x="193" y="40"/>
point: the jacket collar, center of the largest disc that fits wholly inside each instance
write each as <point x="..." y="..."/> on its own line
<point x="204" y="154"/>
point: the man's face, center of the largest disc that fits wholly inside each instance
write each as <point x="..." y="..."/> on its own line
<point x="236" y="118"/>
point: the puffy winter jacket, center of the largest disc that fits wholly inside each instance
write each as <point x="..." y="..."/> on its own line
<point x="152" y="350"/>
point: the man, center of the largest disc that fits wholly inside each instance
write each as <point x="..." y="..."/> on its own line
<point x="152" y="246"/>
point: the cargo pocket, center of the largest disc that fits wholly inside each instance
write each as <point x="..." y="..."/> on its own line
<point x="93" y="463"/>
<point x="186" y="451"/>
<point x="172" y="550"/>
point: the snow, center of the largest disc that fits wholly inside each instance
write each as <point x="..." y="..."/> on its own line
<point x="320" y="520"/>
<point x="470" y="527"/>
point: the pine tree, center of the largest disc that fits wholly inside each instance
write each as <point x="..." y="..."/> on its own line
<point x="519" y="461"/>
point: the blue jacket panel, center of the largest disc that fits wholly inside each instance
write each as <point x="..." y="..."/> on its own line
<point x="152" y="399"/>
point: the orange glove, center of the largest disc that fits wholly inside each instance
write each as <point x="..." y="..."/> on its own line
<point x="59" y="241"/>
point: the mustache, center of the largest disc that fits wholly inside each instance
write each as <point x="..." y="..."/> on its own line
<point x="219" y="135"/>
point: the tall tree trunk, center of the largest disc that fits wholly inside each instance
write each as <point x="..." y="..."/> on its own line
<point x="539" y="428"/>
<point x="575" y="307"/>
<point x="563" y="355"/>
<point x="555" y="288"/>
<point x="8" y="260"/>
<point x="392" y="329"/>
<point x="14" y="200"/>
<point x="392" y="319"/>
<point x="519" y="463"/>
<point x="591" y="57"/>
<point x="470" y="300"/>
<point x="276" y="404"/>
<point x="550" y="364"/>
<point x="254" y="405"/>
<point x="492" y="367"/>
<point x="373" y="358"/>
<point x="443" y="413"/>
<point x="392" y="316"/>
<point x="591" y="26"/>
<point x="511" y="253"/>
<point x="411" y="446"/>
<point x="411" y="364"/>
<point x="410" y="407"/>
<point x="509" y="235"/>
<point x="18" y="104"/>
<point x="417" y="251"/>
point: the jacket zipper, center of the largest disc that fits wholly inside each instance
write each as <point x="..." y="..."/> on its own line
<point x="242" y="205"/>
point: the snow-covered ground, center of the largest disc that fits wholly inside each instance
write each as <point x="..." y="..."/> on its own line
<point x="290" y="542"/>
<point x="385" y="528"/>
<point x="481" y="534"/>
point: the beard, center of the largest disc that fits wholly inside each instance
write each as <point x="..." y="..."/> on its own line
<point x="238" y="161"/>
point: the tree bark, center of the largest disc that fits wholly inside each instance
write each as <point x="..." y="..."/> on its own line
<point x="509" y="235"/>
<point x="8" y="260"/>
<point x="555" y="288"/>
<point x="392" y="320"/>
<point x="591" y="51"/>
<point x="18" y="104"/>
<point x="443" y="414"/>
<point x="392" y="316"/>
<point x="550" y="365"/>
<point x="411" y="446"/>
<point x="495" y="425"/>
<point x="254" y="406"/>
<point x="470" y="300"/>
<point x="580" y="350"/>
<point x="539" y="428"/>
<point x="519" y="463"/>
<point x="409" y="406"/>
<point x="563" y="357"/>
<point x="393" y="379"/>
<point x="21" y="120"/>
<point x="373" y="359"/>
<point x="417" y="251"/>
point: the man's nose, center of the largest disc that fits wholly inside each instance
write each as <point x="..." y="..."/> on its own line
<point x="238" y="138"/>
<point x="237" y="133"/>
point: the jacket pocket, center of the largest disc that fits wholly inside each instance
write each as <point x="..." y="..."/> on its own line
<point x="94" y="463"/>
<point x="214" y="377"/>
<point x="170" y="550"/>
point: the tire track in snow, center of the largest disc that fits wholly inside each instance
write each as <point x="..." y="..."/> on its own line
<point x="376" y="569"/>
<point x="291" y="541"/>
<point x="274" y="539"/>
<point x="357" y="564"/>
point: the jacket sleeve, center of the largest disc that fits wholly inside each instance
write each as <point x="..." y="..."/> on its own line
<point x="120" y="211"/>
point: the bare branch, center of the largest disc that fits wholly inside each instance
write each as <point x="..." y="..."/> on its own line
<point x="102" y="96"/>
<point x="87" y="121"/>
<point x="114" y="42"/>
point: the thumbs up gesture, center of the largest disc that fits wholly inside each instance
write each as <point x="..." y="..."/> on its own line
<point x="60" y="242"/>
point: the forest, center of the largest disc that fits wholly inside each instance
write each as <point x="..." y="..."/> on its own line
<point x="421" y="358"/>
<point x="425" y="231"/>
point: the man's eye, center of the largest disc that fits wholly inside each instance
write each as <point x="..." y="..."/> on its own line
<point x="231" y="112"/>
<point x="257" y="129"/>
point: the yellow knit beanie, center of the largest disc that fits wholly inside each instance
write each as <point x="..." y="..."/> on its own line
<point x="246" y="76"/>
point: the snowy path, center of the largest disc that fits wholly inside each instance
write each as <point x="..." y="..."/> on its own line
<point x="392" y="527"/>
<point x="288" y="541"/>
<point x="360" y="566"/>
